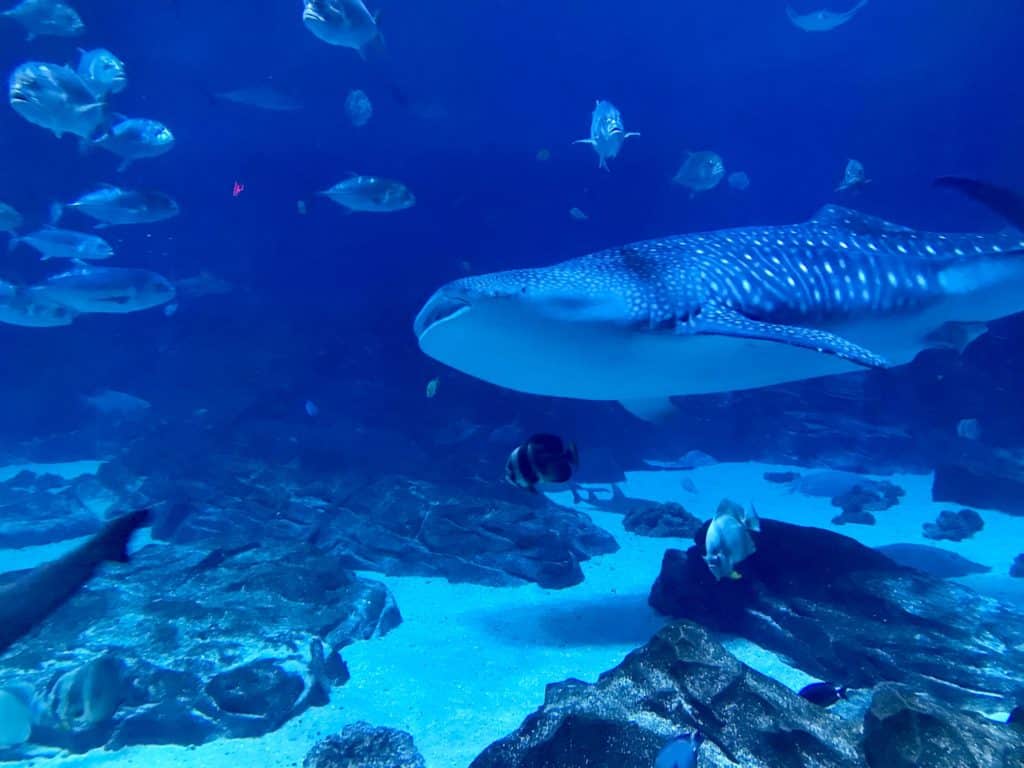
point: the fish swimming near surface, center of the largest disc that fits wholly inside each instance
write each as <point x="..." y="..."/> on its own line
<point x="700" y="171"/>
<point x="103" y="72"/>
<point x="822" y="694"/>
<point x="110" y="205"/>
<point x="29" y="308"/>
<point x="55" y="98"/>
<point x="10" y="219"/>
<point x="722" y="311"/>
<point x="107" y="290"/>
<point x="728" y="541"/>
<point x="853" y="176"/>
<point x="111" y="402"/>
<point x="55" y="243"/>
<point x="680" y="752"/>
<point x="823" y="20"/>
<point x="345" y="23"/>
<point x="46" y="18"/>
<point x="26" y="602"/>
<point x="134" y="138"/>
<point x="261" y="97"/>
<point x="371" y="194"/>
<point x="607" y="132"/>
<point x="541" y="459"/>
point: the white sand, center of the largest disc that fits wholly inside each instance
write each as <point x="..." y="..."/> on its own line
<point x="469" y="662"/>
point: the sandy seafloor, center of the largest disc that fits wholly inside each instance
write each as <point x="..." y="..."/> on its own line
<point x="469" y="662"/>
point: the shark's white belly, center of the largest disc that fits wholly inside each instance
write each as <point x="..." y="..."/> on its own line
<point x="596" y="361"/>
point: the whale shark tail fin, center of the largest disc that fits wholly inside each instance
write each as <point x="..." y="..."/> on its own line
<point x="1001" y="201"/>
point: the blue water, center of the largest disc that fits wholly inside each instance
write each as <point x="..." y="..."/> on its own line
<point x="465" y="97"/>
<point x="913" y="89"/>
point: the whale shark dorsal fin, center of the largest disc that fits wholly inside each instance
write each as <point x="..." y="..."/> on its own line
<point x="855" y="221"/>
<point x="722" y="321"/>
<point x="654" y="410"/>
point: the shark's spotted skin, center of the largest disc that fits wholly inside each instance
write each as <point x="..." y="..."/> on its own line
<point x="724" y="310"/>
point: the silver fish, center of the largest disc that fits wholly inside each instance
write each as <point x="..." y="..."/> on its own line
<point x="30" y="308"/>
<point x="853" y="176"/>
<point x="345" y="23"/>
<point x="113" y="290"/>
<point x="607" y="132"/>
<point x="700" y="171"/>
<point x="823" y="20"/>
<point x="136" y="138"/>
<point x="10" y="219"/>
<point x="261" y="97"/>
<point x="112" y="205"/>
<point x="728" y="541"/>
<point x="55" y="98"/>
<point x="55" y="243"/>
<point x="739" y="181"/>
<point x="102" y="71"/>
<point x="112" y="402"/>
<point x="358" y="108"/>
<point x="371" y="194"/>
<point x="46" y="17"/>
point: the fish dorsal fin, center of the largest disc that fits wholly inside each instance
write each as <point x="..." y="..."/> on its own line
<point x="855" y="221"/>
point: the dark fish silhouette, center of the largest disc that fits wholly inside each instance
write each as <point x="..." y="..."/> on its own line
<point x="25" y="603"/>
<point x="541" y="459"/>
<point x="1004" y="202"/>
<point x="823" y="694"/>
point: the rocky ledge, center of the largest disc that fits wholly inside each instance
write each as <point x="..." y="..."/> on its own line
<point x="683" y="679"/>
<point x="841" y="611"/>
<point x="184" y="645"/>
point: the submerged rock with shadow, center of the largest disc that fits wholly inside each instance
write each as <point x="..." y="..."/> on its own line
<point x="841" y="611"/>
<point x="683" y="679"/>
<point x="401" y="526"/>
<point x="181" y="646"/>
<point x="361" y="745"/>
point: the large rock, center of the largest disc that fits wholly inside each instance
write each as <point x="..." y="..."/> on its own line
<point x="682" y="679"/>
<point x="199" y="645"/>
<point x="984" y="477"/>
<point x="841" y="611"/>
<point x="904" y="729"/>
<point x="669" y="520"/>
<point x="361" y="745"/>
<point x="405" y="527"/>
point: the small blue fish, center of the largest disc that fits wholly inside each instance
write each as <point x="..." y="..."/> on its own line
<point x="681" y="752"/>
<point x="311" y="409"/>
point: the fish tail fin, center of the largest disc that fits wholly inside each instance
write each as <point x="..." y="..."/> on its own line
<point x="1002" y="201"/>
<point x="56" y="212"/>
<point x="572" y="453"/>
<point x="602" y="163"/>
<point x="113" y="538"/>
<point x="752" y="520"/>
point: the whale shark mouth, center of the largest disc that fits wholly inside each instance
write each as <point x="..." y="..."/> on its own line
<point x="440" y="309"/>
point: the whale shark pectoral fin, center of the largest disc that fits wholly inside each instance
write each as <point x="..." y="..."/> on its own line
<point x="859" y="223"/>
<point x="655" y="411"/>
<point x="722" y="321"/>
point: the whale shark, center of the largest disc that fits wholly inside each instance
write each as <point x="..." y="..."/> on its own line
<point x="726" y="310"/>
